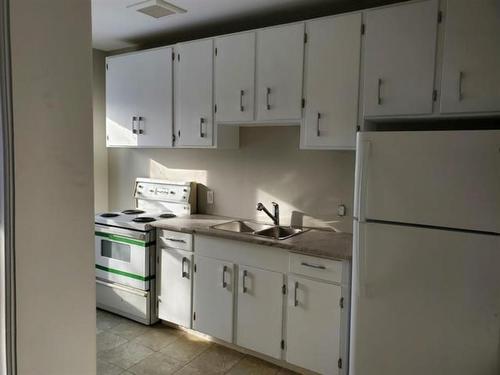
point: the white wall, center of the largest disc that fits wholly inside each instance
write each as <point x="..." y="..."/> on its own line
<point x="52" y="63"/>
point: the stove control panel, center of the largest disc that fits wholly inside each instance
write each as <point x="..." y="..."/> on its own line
<point x="161" y="192"/>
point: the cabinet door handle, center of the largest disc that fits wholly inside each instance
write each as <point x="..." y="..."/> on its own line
<point x="202" y="121"/>
<point x="134" y="119"/>
<point x="224" y="284"/>
<point x="243" y="281"/>
<point x="460" y="83"/>
<point x="318" y="133"/>
<point x="379" y="89"/>
<point x="295" y="300"/>
<point x="242" y="92"/>
<point x="317" y="266"/>
<point x="141" y="121"/>
<point x="268" y="97"/>
<point x="184" y="273"/>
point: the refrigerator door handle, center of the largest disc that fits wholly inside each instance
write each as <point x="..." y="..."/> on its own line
<point x="360" y="254"/>
<point x="363" y="148"/>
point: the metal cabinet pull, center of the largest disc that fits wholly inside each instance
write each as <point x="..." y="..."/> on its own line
<point x="317" y="266"/>
<point x="174" y="239"/>
<point x="318" y="133"/>
<point x="134" y="119"/>
<point x="224" y="284"/>
<point x="268" y="95"/>
<point x="184" y="273"/>
<point x="379" y="95"/>
<point x="295" y="300"/>
<point x="243" y="281"/>
<point x="460" y="82"/>
<point x="202" y="121"/>
<point x="141" y="121"/>
<point x="242" y="92"/>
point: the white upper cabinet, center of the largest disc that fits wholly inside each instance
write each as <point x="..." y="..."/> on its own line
<point x="280" y="55"/>
<point x="139" y="99"/>
<point x="471" y="59"/>
<point x="193" y="74"/>
<point x="331" y="84"/>
<point x="399" y="59"/>
<point x="235" y="77"/>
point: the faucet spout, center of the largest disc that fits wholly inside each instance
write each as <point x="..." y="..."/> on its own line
<point x="276" y="217"/>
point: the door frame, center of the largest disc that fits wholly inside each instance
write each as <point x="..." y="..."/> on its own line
<point x="8" y="361"/>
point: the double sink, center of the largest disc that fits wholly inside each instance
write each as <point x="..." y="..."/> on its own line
<point x="276" y="232"/>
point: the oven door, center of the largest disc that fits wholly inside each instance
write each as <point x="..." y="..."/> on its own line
<point x="123" y="256"/>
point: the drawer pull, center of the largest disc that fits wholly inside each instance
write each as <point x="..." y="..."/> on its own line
<point x="174" y="239"/>
<point x="316" y="266"/>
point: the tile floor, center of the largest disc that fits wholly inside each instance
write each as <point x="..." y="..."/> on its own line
<point x="125" y="347"/>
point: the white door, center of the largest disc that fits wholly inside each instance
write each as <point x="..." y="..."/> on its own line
<point x="121" y="103"/>
<point x="280" y="55"/>
<point x="260" y="311"/>
<point x="193" y="72"/>
<point x="439" y="178"/>
<point x="332" y="82"/>
<point x="213" y="297"/>
<point x="425" y="301"/>
<point x="399" y="59"/>
<point x="235" y="77"/>
<point x="471" y="59"/>
<point x="313" y="325"/>
<point x="174" y="289"/>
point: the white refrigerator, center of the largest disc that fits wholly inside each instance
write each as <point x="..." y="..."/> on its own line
<point x="426" y="257"/>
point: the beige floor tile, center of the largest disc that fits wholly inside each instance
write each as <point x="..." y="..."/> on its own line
<point x="217" y="359"/>
<point x="158" y="337"/>
<point x="189" y="370"/>
<point x="284" y="371"/>
<point x="186" y="348"/>
<point x="106" y="320"/>
<point x="126" y="355"/>
<point x="253" y="366"/>
<point x="105" y="368"/>
<point x="156" y="364"/>
<point x="107" y="340"/>
<point x="129" y="329"/>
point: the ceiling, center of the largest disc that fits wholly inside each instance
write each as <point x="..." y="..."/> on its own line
<point x="116" y="27"/>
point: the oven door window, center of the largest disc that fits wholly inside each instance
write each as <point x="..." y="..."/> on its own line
<point x="115" y="250"/>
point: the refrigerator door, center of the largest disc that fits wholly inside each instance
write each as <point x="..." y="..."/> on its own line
<point x="425" y="301"/>
<point x="440" y="178"/>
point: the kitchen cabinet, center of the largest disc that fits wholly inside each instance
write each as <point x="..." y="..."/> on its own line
<point x="280" y="55"/>
<point x="471" y="58"/>
<point x="213" y="297"/>
<point x="175" y="285"/>
<point x="139" y="99"/>
<point x="235" y="77"/>
<point x="260" y="310"/>
<point x="313" y="325"/>
<point x="193" y="99"/>
<point x="399" y="59"/>
<point x="331" y="86"/>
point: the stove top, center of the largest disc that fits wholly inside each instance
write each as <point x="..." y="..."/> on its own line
<point x="132" y="219"/>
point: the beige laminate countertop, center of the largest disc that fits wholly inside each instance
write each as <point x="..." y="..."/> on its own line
<point x="314" y="242"/>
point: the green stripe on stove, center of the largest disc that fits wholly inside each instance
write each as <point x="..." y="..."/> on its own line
<point x="123" y="239"/>
<point x="123" y="273"/>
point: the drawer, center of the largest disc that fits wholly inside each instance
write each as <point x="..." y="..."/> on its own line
<point x="175" y="240"/>
<point x="326" y="269"/>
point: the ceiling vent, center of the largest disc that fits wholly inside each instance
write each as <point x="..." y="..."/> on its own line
<point x="156" y="8"/>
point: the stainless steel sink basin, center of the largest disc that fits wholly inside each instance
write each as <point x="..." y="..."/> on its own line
<point x="257" y="229"/>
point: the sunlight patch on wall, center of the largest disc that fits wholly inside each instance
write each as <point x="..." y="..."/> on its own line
<point x="160" y="171"/>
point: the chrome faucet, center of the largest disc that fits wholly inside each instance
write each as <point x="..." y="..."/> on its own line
<point x="276" y="217"/>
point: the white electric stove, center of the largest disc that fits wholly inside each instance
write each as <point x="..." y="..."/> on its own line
<point x="125" y="251"/>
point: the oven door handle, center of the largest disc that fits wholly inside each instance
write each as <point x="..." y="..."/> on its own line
<point x="123" y="288"/>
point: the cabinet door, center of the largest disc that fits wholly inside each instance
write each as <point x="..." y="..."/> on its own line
<point x="213" y="297"/>
<point x="280" y="55"/>
<point x="260" y="311"/>
<point x="193" y="93"/>
<point x="399" y="59"/>
<point x="332" y="82"/>
<point x="313" y="325"/>
<point x="471" y="60"/>
<point x="154" y="98"/>
<point x="174" y="286"/>
<point x="121" y="110"/>
<point x="235" y="77"/>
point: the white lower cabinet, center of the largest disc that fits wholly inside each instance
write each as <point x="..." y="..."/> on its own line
<point x="313" y="325"/>
<point x="259" y="321"/>
<point x="174" y="292"/>
<point x="213" y="297"/>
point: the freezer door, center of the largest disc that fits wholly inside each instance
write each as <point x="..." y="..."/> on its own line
<point x="440" y="178"/>
<point x="425" y="301"/>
